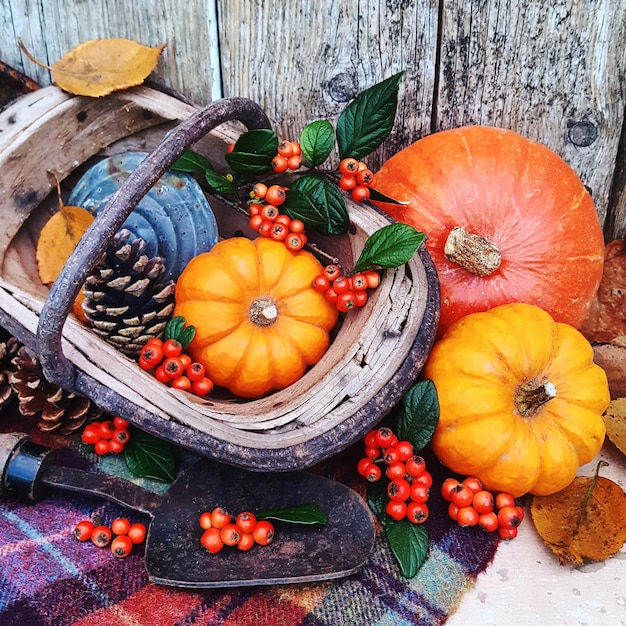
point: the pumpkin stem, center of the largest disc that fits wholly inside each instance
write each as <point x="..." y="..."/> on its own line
<point x="476" y="254"/>
<point x="263" y="311"/>
<point x="530" y="397"/>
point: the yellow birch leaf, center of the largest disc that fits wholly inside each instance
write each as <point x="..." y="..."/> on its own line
<point x="99" y="66"/>
<point x="615" y="420"/>
<point x="586" y="521"/>
<point x="57" y="241"/>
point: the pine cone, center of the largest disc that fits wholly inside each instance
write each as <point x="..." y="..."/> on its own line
<point x="56" y="408"/>
<point x="9" y="346"/>
<point x="126" y="299"/>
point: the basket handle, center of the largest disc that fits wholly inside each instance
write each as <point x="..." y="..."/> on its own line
<point x="55" y="365"/>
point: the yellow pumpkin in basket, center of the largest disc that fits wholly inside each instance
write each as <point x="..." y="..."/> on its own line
<point x="521" y="399"/>
<point x="259" y="323"/>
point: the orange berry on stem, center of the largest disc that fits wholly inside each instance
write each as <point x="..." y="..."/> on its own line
<point x="467" y="516"/>
<point x="259" y="190"/>
<point x="360" y="193"/>
<point x="285" y="149"/>
<point x="276" y="195"/>
<point x="279" y="164"/>
<point x="294" y="162"/>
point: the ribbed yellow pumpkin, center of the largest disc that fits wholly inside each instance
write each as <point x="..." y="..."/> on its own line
<point x="259" y="323"/>
<point x="521" y="399"/>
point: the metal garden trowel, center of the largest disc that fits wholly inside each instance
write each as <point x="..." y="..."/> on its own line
<point x="174" y="555"/>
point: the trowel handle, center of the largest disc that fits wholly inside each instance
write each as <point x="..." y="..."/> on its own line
<point x="27" y="469"/>
<point x="22" y="463"/>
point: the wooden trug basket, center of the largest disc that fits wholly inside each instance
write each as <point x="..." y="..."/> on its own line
<point x="375" y="356"/>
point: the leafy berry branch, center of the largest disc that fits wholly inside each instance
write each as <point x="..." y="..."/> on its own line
<point x="316" y="195"/>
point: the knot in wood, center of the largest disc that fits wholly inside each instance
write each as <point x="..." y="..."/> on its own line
<point x="582" y="134"/>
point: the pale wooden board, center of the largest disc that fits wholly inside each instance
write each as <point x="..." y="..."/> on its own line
<point x="307" y="61"/>
<point x="52" y="28"/>
<point x="552" y="71"/>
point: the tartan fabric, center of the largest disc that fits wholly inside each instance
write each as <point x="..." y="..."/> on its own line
<point x="47" y="578"/>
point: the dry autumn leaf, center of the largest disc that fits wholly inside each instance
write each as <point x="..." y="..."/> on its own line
<point x="57" y="241"/>
<point x="100" y="66"/>
<point x="605" y="322"/>
<point x="612" y="359"/>
<point x="615" y="420"/>
<point x="584" y="522"/>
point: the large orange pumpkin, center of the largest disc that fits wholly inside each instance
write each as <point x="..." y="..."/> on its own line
<point x="507" y="220"/>
<point x="259" y="323"/>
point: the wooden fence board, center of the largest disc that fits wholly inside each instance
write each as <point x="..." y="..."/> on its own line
<point x="553" y="71"/>
<point x="50" y="29"/>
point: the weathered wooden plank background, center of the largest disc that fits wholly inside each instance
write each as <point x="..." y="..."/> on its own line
<point x="553" y="71"/>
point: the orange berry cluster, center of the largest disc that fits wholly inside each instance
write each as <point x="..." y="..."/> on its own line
<point x="244" y="531"/>
<point x="174" y="367"/>
<point x="472" y="505"/>
<point x="121" y="535"/>
<point x="356" y="178"/>
<point x="267" y="220"/>
<point x="288" y="157"/>
<point x="107" y="436"/>
<point x="346" y="293"/>
<point x="409" y="480"/>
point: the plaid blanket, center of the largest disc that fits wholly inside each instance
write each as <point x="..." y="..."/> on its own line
<point x="48" y="578"/>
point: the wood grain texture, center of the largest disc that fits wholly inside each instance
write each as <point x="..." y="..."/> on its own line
<point x="306" y="61"/>
<point x="51" y="28"/>
<point x="554" y="72"/>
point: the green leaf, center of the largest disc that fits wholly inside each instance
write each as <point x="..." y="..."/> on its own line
<point x="418" y="414"/>
<point x="307" y="513"/>
<point x="253" y="152"/>
<point x="377" y="196"/>
<point x="248" y="163"/>
<point x="261" y="141"/>
<point x="368" y="120"/>
<point x="219" y="184"/>
<point x="407" y="541"/>
<point x="186" y="335"/>
<point x="377" y="499"/>
<point x="192" y="162"/>
<point x="389" y="246"/>
<point x="317" y="141"/>
<point x="173" y="328"/>
<point x="319" y="204"/>
<point x="149" y="457"/>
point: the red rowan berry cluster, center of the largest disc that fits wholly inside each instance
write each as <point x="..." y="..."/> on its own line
<point x="244" y="531"/>
<point x="107" y="436"/>
<point x="121" y="535"/>
<point x="472" y="505"/>
<point x="356" y="178"/>
<point x="345" y="292"/>
<point x="267" y="220"/>
<point x="409" y="480"/>
<point x="288" y="157"/>
<point x="174" y="367"/>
